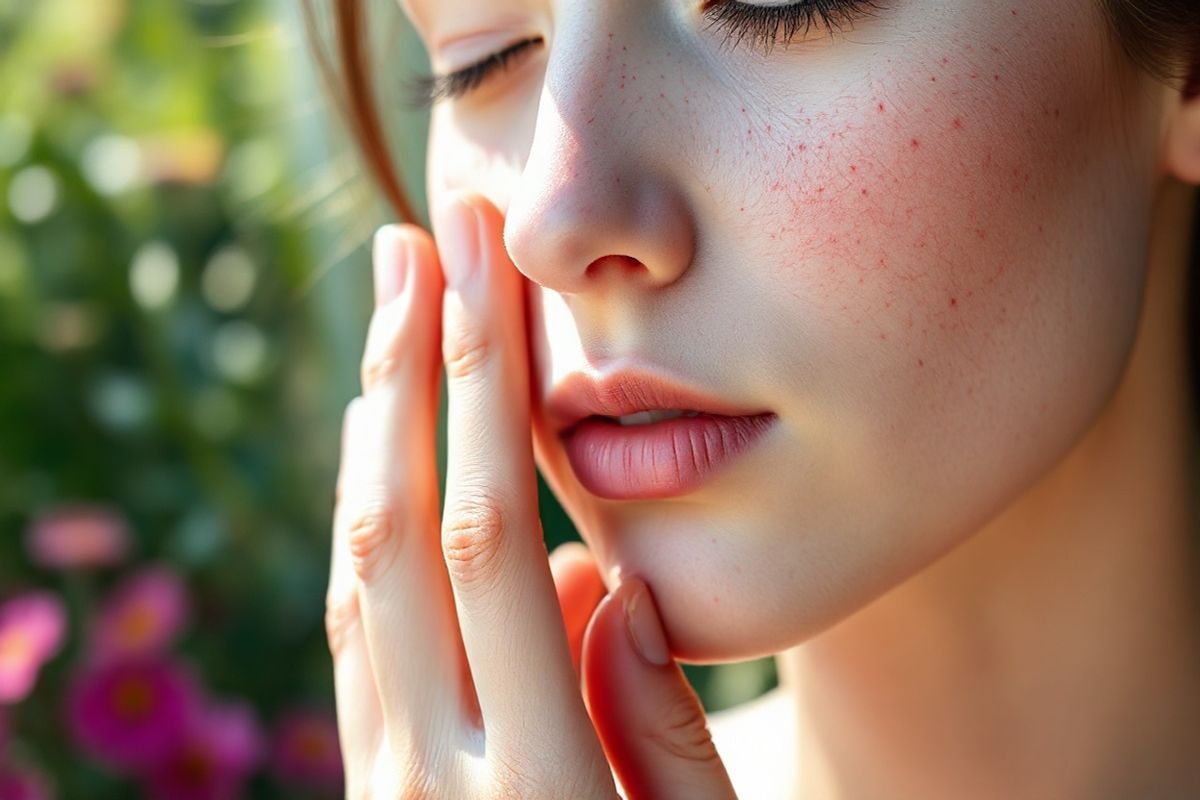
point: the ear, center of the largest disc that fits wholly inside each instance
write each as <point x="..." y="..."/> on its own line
<point x="1182" y="142"/>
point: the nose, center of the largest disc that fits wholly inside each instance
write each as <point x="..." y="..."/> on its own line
<point x="599" y="201"/>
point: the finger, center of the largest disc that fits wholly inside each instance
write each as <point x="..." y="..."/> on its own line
<point x="392" y="523"/>
<point x="580" y="588"/>
<point x="648" y="717"/>
<point x="511" y="624"/>
<point x="360" y="723"/>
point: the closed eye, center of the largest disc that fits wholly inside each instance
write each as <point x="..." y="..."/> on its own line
<point x="426" y="90"/>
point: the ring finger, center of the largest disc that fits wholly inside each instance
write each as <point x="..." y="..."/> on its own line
<point x="392" y="534"/>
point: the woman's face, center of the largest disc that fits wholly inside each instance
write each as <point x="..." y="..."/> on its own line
<point x="920" y="242"/>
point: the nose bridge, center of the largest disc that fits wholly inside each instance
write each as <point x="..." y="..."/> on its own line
<point x="595" y="188"/>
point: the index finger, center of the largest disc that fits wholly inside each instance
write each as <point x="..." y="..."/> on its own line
<point x="511" y="623"/>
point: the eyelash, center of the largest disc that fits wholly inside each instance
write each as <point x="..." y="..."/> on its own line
<point x="763" y="26"/>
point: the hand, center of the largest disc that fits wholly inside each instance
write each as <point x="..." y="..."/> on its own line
<point x="436" y="639"/>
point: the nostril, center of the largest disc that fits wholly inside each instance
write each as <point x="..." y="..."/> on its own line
<point x="622" y="264"/>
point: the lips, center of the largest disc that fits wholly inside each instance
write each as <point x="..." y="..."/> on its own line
<point x="651" y="459"/>
<point x="630" y="391"/>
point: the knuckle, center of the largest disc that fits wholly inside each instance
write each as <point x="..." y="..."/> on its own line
<point x="473" y="540"/>
<point x="391" y="337"/>
<point x="378" y="368"/>
<point x="341" y="618"/>
<point x="683" y="734"/>
<point x="466" y="349"/>
<point x="371" y="537"/>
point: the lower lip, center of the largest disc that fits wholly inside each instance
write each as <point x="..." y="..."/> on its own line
<point x="667" y="458"/>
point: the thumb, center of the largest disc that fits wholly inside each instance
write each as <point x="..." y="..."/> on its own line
<point x="579" y="587"/>
<point x="648" y="717"/>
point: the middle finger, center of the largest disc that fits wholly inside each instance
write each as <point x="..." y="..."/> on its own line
<point x="511" y="623"/>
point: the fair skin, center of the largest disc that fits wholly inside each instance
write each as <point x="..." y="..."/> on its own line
<point x="947" y="247"/>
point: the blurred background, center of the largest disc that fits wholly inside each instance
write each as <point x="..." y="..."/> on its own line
<point x="184" y="294"/>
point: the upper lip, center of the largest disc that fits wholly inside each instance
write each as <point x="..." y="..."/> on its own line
<point x="628" y="391"/>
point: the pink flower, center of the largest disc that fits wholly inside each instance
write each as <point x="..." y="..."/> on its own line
<point x="142" y="616"/>
<point x="79" y="535"/>
<point x="22" y="783"/>
<point x="305" y="750"/>
<point x="131" y="713"/>
<point x="31" y="631"/>
<point x="221" y="750"/>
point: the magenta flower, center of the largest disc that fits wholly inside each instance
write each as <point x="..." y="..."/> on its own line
<point x="142" y="616"/>
<point x="305" y="750"/>
<point x="221" y="750"/>
<point x="23" y="783"/>
<point x="79" y="535"/>
<point x="31" y="631"/>
<point x="130" y="713"/>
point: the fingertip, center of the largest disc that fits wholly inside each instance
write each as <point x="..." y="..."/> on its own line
<point x="570" y="553"/>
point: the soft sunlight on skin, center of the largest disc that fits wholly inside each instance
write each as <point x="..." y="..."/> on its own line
<point x="890" y="238"/>
<point x="946" y="247"/>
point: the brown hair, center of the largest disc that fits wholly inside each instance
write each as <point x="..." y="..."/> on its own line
<point x="1161" y="36"/>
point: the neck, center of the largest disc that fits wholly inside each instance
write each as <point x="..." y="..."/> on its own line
<point x="1055" y="653"/>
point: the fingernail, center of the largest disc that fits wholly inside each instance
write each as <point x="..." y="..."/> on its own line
<point x="641" y="619"/>
<point x="457" y="230"/>
<point x="391" y="257"/>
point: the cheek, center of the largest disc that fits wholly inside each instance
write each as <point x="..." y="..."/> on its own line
<point x="952" y="274"/>
<point x="970" y="221"/>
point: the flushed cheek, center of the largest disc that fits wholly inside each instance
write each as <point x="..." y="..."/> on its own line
<point x="940" y="238"/>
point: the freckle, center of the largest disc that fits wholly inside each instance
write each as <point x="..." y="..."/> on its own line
<point x="864" y="192"/>
<point x="954" y="302"/>
<point x="591" y="120"/>
<point x="860" y="280"/>
<point x="958" y="123"/>
<point x="881" y="108"/>
<point x="1014" y="12"/>
<point x="916" y="144"/>
<point x="820" y="189"/>
<point x="996" y="78"/>
<point x="802" y="147"/>
<point x="974" y="75"/>
<point x="945" y="60"/>
<point x="742" y="209"/>
<point x="920" y="362"/>
<point x="854" y="168"/>
<point x="933" y="78"/>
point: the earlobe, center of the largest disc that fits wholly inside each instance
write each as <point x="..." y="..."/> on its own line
<point x="1182" y="142"/>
